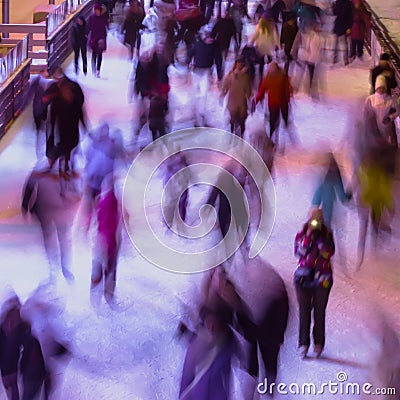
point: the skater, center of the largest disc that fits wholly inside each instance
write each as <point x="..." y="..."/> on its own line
<point x="384" y="109"/>
<point x="97" y="28"/>
<point x="237" y="86"/>
<point x="313" y="280"/>
<point x="384" y="68"/>
<point x="277" y="84"/>
<point x="107" y="241"/>
<point x="42" y="198"/>
<point x="79" y="38"/>
<point x="343" y="10"/>
<point x="132" y="25"/>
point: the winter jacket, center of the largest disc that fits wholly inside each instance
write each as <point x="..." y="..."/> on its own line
<point x="203" y="54"/>
<point x="380" y="106"/>
<point x="132" y="23"/>
<point x="265" y="42"/>
<point x="79" y="35"/>
<point x="388" y="72"/>
<point x="360" y="24"/>
<point x="327" y="192"/>
<point x="314" y="251"/>
<point x="97" y="27"/>
<point x="288" y="34"/>
<point x="238" y="86"/>
<point x="343" y="9"/>
<point x="223" y="32"/>
<point x="278" y="86"/>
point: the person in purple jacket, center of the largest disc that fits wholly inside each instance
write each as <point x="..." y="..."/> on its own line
<point x="97" y="28"/>
<point x="313" y="279"/>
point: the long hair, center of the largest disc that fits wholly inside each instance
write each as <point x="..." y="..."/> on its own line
<point x="266" y="26"/>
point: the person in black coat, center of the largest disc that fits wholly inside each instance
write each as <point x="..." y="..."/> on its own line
<point x="384" y="68"/>
<point x="343" y="10"/>
<point x="132" y="24"/>
<point x="66" y="99"/>
<point x="223" y="32"/>
<point x="79" y="38"/>
<point x="288" y="35"/>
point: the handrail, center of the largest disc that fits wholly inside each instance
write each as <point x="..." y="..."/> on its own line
<point x="385" y="40"/>
<point x="56" y="17"/>
<point x="13" y="59"/>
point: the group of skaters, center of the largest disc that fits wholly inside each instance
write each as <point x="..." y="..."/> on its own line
<point x="58" y="107"/>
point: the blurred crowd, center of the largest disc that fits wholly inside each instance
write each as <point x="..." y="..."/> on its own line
<point x="258" y="73"/>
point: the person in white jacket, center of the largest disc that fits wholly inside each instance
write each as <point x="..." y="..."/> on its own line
<point x="307" y="50"/>
<point x="384" y="109"/>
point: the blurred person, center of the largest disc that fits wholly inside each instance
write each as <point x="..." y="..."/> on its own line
<point x="132" y="25"/>
<point x="343" y="10"/>
<point x="265" y="327"/>
<point x="237" y="86"/>
<point x="384" y="109"/>
<point x="100" y="157"/>
<point x="79" y="38"/>
<point x="359" y="28"/>
<point x="37" y="87"/>
<point x="42" y="198"/>
<point x="328" y="190"/>
<point x="175" y="194"/>
<point x="97" y="28"/>
<point x="203" y="58"/>
<point x="107" y="240"/>
<point x="32" y="366"/>
<point x="288" y="35"/>
<point x="238" y="9"/>
<point x="158" y="109"/>
<point x="42" y="311"/>
<point x="375" y="195"/>
<point x="307" y="51"/>
<point x="207" y="367"/>
<point x="66" y="100"/>
<point x="313" y="280"/>
<point x="11" y="339"/>
<point x="308" y="14"/>
<point x="223" y="32"/>
<point x="266" y="41"/>
<point x="277" y="84"/>
<point x="384" y="68"/>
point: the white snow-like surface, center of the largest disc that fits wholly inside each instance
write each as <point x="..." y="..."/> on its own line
<point x="132" y="353"/>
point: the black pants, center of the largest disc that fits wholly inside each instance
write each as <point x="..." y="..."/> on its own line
<point x="274" y="116"/>
<point x="312" y="299"/>
<point x="97" y="58"/>
<point x="342" y="38"/>
<point x="83" y="51"/>
<point x="356" y="48"/>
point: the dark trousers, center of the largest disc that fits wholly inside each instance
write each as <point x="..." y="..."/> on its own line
<point x="342" y="38"/>
<point x="97" y="58"/>
<point x="32" y="387"/>
<point x="312" y="299"/>
<point x="83" y="51"/>
<point x="274" y="116"/>
<point x="356" y="48"/>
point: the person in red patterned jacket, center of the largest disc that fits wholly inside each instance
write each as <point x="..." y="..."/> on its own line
<point x="313" y="279"/>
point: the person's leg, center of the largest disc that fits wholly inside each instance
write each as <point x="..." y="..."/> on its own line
<point x="99" y="61"/>
<point x="84" y="58"/>
<point x="353" y="46"/>
<point x="138" y="43"/>
<point x="360" y="48"/>
<point x="304" y="298"/>
<point x="32" y="387"/>
<point x="269" y="353"/>
<point x="335" y="49"/>
<point x="320" y="301"/>
<point x="10" y="383"/>
<point x="65" y="246"/>
<point x="273" y="119"/>
<point x="110" y="276"/>
<point x="94" y="61"/>
<point x="346" y="49"/>
<point x="76" y="58"/>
